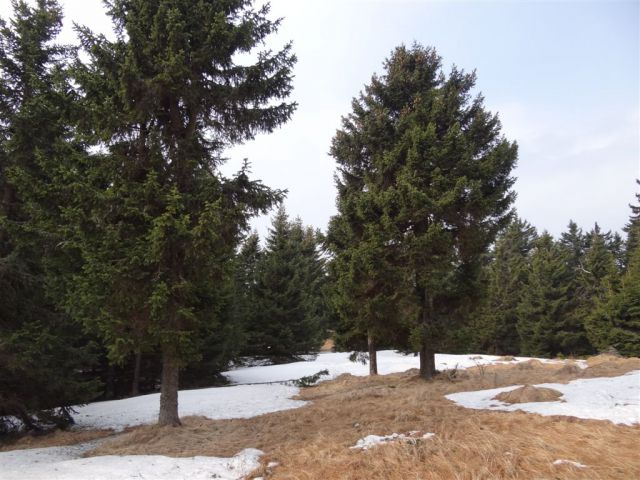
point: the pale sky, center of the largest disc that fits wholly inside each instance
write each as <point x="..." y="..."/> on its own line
<point x="563" y="76"/>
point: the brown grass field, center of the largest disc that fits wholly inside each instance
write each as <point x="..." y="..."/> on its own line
<point x="313" y="442"/>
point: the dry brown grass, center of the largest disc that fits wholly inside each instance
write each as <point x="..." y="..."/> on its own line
<point x="312" y="442"/>
<point x="328" y="345"/>
<point x="57" y="438"/>
<point x="529" y="393"/>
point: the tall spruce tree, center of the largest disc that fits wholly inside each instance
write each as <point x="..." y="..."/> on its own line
<point x="42" y="353"/>
<point x="436" y="170"/>
<point x="160" y="223"/>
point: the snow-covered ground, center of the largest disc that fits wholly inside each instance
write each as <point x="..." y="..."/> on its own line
<point x="338" y="363"/>
<point x="241" y="401"/>
<point x="64" y="463"/>
<point x="616" y="399"/>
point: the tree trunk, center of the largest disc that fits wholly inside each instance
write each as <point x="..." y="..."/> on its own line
<point x="135" y="386"/>
<point x="427" y="361"/>
<point x="109" y="391"/>
<point x="427" y="354"/>
<point x="169" y="391"/>
<point x="373" y="355"/>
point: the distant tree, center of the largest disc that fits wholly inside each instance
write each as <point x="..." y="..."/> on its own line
<point x="599" y="277"/>
<point x="507" y="277"/>
<point x="632" y="229"/>
<point x="544" y="300"/>
<point x="288" y="317"/>
<point x="614" y="320"/>
<point x="572" y="337"/>
<point x="42" y="353"/>
<point x="436" y="170"/>
<point x="246" y="269"/>
<point x="159" y="225"/>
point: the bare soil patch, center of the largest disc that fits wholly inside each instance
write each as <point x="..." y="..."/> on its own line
<point x="313" y="442"/>
<point x="529" y="393"/>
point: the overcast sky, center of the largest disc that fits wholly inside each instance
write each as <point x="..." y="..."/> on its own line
<point x="563" y="76"/>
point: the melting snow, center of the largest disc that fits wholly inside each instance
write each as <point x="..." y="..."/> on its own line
<point x="569" y="462"/>
<point x="372" y="440"/>
<point x="61" y="463"/>
<point x="616" y="399"/>
<point x="242" y="401"/>
<point x="389" y="361"/>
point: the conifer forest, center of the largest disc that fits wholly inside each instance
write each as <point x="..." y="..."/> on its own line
<point x="129" y="263"/>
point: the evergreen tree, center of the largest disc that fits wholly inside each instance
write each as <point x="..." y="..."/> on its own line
<point x="618" y="315"/>
<point x="632" y="229"/>
<point x="288" y="319"/>
<point x="599" y="277"/>
<point x="571" y="336"/>
<point x="245" y="300"/>
<point x="158" y="224"/>
<point x="368" y="291"/>
<point x="435" y="169"/>
<point x="614" y="320"/>
<point x="544" y="301"/>
<point x="507" y="278"/>
<point x="42" y="354"/>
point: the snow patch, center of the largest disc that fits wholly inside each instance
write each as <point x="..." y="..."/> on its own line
<point x="371" y="441"/>
<point x="570" y="462"/>
<point x="616" y="399"/>
<point x="242" y="401"/>
<point x="338" y="363"/>
<point x="64" y="463"/>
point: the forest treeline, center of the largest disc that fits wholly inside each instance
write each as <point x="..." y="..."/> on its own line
<point x="127" y="264"/>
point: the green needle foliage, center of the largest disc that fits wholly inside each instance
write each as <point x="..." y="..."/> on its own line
<point x="543" y="304"/>
<point x="289" y="314"/>
<point x="614" y="320"/>
<point x="431" y="170"/>
<point x="507" y="277"/>
<point x="160" y="224"/>
<point x="42" y="353"/>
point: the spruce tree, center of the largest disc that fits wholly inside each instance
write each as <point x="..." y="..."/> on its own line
<point x="632" y="229"/>
<point x="571" y="336"/>
<point x="599" y="277"/>
<point x="496" y="326"/>
<point x="620" y="311"/>
<point x="436" y="171"/>
<point x="614" y="320"/>
<point x="544" y="301"/>
<point x="160" y="224"/>
<point x="245" y="298"/>
<point x="369" y="293"/>
<point x="42" y="353"/>
<point x="288" y="319"/>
